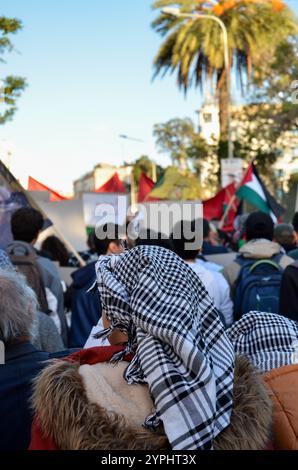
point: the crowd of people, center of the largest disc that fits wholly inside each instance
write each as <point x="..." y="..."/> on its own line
<point x="205" y="339"/>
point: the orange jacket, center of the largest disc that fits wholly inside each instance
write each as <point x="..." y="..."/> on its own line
<point x="283" y="388"/>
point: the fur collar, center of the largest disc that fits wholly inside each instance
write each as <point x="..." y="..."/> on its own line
<point x="67" y="415"/>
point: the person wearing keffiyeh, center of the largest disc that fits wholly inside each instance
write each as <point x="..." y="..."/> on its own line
<point x="181" y="349"/>
<point x="177" y="367"/>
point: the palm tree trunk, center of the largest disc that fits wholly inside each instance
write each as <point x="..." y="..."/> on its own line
<point x="223" y="109"/>
<point x="223" y="100"/>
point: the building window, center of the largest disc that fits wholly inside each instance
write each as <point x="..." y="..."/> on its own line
<point x="207" y="117"/>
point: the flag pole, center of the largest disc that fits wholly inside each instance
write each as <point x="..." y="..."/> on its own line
<point x="16" y="186"/>
<point x="228" y="208"/>
<point x="154" y="178"/>
<point x="133" y="198"/>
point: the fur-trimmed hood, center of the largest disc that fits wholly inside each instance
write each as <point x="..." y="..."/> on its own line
<point x="76" y="418"/>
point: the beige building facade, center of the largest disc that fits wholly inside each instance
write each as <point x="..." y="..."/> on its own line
<point x="100" y="174"/>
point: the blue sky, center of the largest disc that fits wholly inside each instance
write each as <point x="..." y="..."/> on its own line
<point x="89" y="68"/>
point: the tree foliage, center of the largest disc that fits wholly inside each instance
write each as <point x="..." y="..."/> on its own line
<point x="179" y="139"/>
<point x="174" y="137"/>
<point x="266" y="132"/>
<point x="267" y="127"/>
<point x="11" y="87"/>
<point x="145" y="165"/>
<point x="276" y="73"/>
<point x="193" y="48"/>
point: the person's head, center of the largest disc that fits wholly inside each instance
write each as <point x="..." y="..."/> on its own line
<point x="107" y="241"/>
<point x="239" y="224"/>
<point x="18" y="306"/>
<point x="90" y="241"/>
<point x="185" y="233"/>
<point x="295" y="225"/>
<point x="259" y="225"/>
<point x="162" y="308"/>
<point x="26" y="223"/>
<point x="206" y="229"/>
<point x="56" y="249"/>
<point x="151" y="238"/>
<point x="284" y="234"/>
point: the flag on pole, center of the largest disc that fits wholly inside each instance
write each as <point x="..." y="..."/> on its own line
<point x="113" y="185"/>
<point x="176" y="186"/>
<point x="34" y="185"/>
<point x="145" y="187"/>
<point x="253" y="190"/>
<point x="215" y="208"/>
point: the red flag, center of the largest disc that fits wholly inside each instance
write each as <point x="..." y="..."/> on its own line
<point x="229" y="194"/>
<point x="214" y="208"/>
<point x="113" y="185"/>
<point x="34" y="185"/>
<point x="145" y="187"/>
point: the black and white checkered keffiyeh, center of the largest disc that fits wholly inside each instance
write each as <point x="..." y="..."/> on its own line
<point x="268" y="340"/>
<point x="181" y="348"/>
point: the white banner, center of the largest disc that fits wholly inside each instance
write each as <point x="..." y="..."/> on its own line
<point x="105" y="207"/>
<point x="231" y="170"/>
<point x="67" y="217"/>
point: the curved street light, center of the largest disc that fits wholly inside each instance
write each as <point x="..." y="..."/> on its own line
<point x="176" y="12"/>
<point x="126" y="137"/>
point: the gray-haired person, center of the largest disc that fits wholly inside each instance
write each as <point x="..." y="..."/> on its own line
<point x="21" y="362"/>
<point x="46" y="336"/>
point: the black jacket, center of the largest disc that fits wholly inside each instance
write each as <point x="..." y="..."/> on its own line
<point x="23" y="362"/>
<point x="289" y="292"/>
<point x="85" y="306"/>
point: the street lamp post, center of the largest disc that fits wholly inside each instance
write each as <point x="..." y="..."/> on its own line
<point x="133" y="195"/>
<point x="176" y="12"/>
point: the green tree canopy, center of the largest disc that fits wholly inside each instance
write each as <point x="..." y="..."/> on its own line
<point x="276" y="73"/>
<point x="179" y="140"/>
<point x="11" y="86"/>
<point x="145" y="165"/>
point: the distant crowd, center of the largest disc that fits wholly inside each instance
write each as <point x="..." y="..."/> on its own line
<point x="212" y="332"/>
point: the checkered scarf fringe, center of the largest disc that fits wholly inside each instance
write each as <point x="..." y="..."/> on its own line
<point x="5" y="261"/>
<point x="270" y="341"/>
<point x="181" y="349"/>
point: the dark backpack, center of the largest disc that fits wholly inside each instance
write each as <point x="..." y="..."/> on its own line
<point x="258" y="286"/>
<point x="28" y="266"/>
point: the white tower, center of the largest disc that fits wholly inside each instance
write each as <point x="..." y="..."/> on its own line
<point x="209" y="127"/>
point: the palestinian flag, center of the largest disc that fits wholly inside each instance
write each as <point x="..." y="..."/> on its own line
<point x="253" y="190"/>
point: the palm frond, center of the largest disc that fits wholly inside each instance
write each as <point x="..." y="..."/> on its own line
<point x="194" y="48"/>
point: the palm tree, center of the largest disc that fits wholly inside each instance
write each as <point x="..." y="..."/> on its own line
<point x="194" y="47"/>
